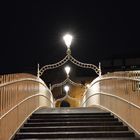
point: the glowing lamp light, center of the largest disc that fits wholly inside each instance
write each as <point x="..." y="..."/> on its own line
<point x="67" y="70"/>
<point x="87" y="85"/>
<point x="66" y="88"/>
<point x="68" y="39"/>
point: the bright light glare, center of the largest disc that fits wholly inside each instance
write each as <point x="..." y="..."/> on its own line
<point x="87" y="85"/>
<point x="67" y="70"/>
<point x="68" y="39"/>
<point x="66" y="88"/>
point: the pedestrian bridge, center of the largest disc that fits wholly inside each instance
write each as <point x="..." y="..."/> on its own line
<point x="22" y="94"/>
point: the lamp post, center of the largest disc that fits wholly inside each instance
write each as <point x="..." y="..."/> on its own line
<point x="67" y="80"/>
<point x="66" y="88"/>
<point x="67" y="70"/>
<point x="68" y="40"/>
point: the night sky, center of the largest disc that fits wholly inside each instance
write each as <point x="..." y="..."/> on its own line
<point x="32" y="32"/>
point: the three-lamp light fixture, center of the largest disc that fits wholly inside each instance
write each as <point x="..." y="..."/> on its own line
<point x="68" y="41"/>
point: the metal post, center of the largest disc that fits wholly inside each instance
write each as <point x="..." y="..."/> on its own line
<point x="68" y="53"/>
<point x="100" y="71"/>
<point x="50" y="87"/>
<point x="38" y="70"/>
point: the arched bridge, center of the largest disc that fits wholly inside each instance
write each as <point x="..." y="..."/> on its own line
<point x="22" y="94"/>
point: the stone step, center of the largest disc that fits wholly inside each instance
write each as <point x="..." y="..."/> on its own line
<point x="107" y="138"/>
<point x="68" y="124"/>
<point x="73" y="120"/>
<point x="71" y="114"/>
<point x="73" y="128"/>
<point x="100" y="134"/>
<point x="48" y="116"/>
<point x="83" y="123"/>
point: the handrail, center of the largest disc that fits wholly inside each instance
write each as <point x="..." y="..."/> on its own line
<point x="108" y="78"/>
<point x="117" y="93"/>
<point x="113" y="112"/>
<point x="24" y="101"/>
<point x="103" y="93"/>
<point x="115" y="77"/>
<point x="22" y="124"/>
<point x="26" y="79"/>
<point x="30" y="113"/>
<point x="128" y="124"/>
<point x="20" y="95"/>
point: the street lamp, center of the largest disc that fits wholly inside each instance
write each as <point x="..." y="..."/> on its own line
<point x="66" y="88"/>
<point x="67" y="80"/>
<point x="67" y="70"/>
<point x="68" y="39"/>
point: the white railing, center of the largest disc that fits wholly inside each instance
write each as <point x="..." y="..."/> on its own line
<point x="119" y="93"/>
<point x="20" y="95"/>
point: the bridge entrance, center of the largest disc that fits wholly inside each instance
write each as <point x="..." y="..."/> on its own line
<point x="65" y="104"/>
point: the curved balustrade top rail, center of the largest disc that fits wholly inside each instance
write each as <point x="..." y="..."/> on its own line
<point x="11" y="77"/>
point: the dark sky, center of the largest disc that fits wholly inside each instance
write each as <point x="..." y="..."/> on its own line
<point x="32" y="31"/>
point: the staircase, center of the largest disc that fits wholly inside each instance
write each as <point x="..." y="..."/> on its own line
<point x="73" y="123"/>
